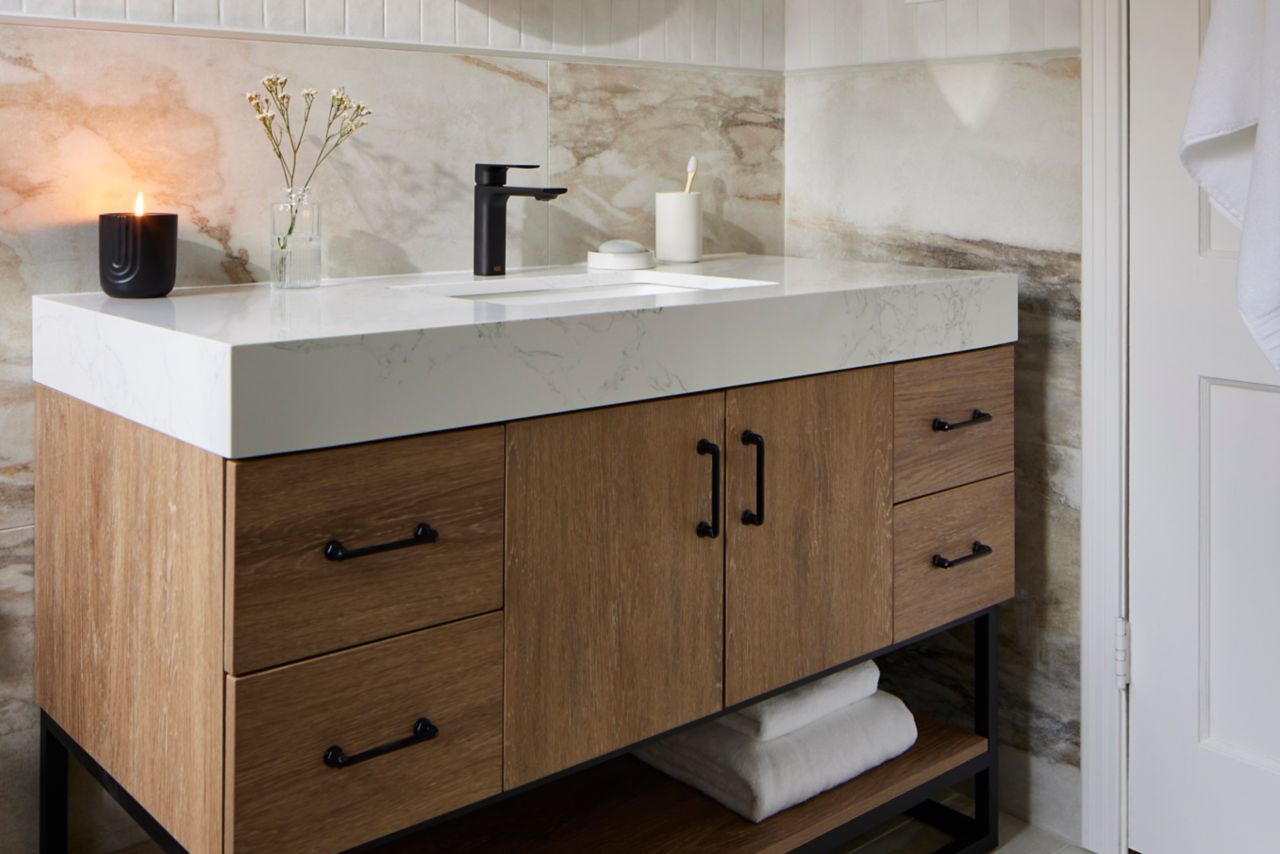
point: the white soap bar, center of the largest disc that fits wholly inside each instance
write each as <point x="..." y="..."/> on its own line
<point x="620" y="247"/>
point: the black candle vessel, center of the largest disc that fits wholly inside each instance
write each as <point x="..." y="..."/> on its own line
<point x="137" y="253"/>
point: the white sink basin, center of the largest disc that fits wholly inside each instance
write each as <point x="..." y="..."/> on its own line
<point x="580" y="287"/>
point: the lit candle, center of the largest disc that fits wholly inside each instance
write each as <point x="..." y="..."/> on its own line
<point x="137" y="252"/>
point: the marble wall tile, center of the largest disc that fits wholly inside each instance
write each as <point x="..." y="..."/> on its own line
<point x="397" y="198"/>
<point x="890" y="159"/>
<point x="977" y="167"/>
<point x="18" y="715"/>
<point x="17" y="429"/>
<point x="620" y="134"/>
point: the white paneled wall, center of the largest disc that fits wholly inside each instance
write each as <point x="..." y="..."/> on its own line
<point x="823" y="33"/>
<point x="735" y="33"/>
<point x="758" y="34"/>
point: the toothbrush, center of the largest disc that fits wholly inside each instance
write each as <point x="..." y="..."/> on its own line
<point x="693" y="170"/>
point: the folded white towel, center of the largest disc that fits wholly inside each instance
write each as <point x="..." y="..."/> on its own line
<point x="1231" y="146"/>
<point x="800" y="707"/>
<point x="759" y="778"/>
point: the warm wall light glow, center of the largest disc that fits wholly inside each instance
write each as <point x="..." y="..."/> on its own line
<point x="137" y="206"/>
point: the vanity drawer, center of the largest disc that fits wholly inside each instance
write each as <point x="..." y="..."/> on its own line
<point x="950" y="390"/>
<point x="287" y="598"/>
<point x="284" y="792"/>
<point x="950" y="525"/>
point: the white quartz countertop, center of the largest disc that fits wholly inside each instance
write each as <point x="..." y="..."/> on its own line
<point x="250" y="370"/>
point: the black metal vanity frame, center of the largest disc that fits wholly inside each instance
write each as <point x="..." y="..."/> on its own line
<point x="970" y="834"/>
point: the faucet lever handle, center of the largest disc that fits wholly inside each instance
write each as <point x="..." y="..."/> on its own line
<point x="495" y="174"/>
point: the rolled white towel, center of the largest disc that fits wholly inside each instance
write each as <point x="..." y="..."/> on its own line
<point x="801" y="706"/>
<point x="759" y="778"/>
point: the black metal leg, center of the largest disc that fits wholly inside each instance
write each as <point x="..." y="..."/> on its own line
<point x="53" y="790"/>
<point x="986" y="722"/>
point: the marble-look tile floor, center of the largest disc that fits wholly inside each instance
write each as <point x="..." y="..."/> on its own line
<point x="908" y="836"/>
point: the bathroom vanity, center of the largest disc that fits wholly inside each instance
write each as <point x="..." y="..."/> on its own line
<point x="316" y="567"/>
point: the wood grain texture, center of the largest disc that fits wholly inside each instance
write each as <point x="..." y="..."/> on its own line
<point x="812" y="587"/>
<point x="287" y="601"/>
<point x="624" y="805"/>
<point x="128" y="602"/>
<point x="280" y="794"/>
<point x="950" y="388"/>
<point x="614" y="604"/>
<point x="948" y="523"/>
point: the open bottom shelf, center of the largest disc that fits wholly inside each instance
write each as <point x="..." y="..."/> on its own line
<point x="624" y="805"/>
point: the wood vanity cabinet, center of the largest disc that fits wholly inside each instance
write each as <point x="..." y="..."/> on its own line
<point x="590" y="580"/>
<point x="809" y="586"/>
<point x="614" y="602"/>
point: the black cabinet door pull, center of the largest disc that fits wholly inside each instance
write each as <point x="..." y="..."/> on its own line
<point x="712" y="528"/>
<point x="756" y="517"/>
<point x="978" y="417"/>
<point x="422" y="534"/>
<point x="423" y="730"/>
<point x="980" y="549"/>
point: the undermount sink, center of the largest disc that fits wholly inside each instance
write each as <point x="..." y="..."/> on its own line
<point x="581" y="287"/>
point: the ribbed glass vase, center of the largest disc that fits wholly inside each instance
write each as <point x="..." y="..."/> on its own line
<point x="295" y="240"/>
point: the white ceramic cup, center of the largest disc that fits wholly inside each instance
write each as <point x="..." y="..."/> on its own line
<point x="679" y="226"/>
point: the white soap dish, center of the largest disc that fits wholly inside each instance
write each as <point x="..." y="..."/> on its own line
<point x="620" y="255"/>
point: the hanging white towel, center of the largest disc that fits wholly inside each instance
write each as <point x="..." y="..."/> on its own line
<point x="1231" y="146"/>
<point x="756" y="779"/>
<point x="801" y="706"/>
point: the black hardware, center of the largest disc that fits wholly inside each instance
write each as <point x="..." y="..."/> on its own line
<point x="979" y="550"/>
<point x="422" y="534"/>
<point x="756" y="517"/>
<point x="423" y="730"/>
<point x="978" y="417"/>
<point x="492" y="193"/>
<point x="712" y="528"/>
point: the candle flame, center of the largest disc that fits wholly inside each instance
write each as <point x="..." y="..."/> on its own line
<point x="137" y="206"/>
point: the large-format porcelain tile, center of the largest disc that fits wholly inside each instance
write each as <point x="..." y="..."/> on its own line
<point x="19" y="756"/>
<point x="17" y="426"/>
<point x="166" y="114"/>
<point x="620" y="134"/>
<point x="977" y="151"/>
<point x="17" y="704"/>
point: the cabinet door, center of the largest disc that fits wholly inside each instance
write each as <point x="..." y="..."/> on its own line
<point x="614" y="602"/>
<point x="812" y="585"/>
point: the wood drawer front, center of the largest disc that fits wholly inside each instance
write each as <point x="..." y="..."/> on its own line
<point x="948" y="524"/>
<point x="286" y="600"/>
<point x="281" y="796"/>
<point x="951" y="388"/>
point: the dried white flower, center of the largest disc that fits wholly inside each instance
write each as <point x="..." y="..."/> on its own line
<point x="345" y="117"/>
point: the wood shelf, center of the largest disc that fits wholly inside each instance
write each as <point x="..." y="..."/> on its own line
<point x="624" y="805"/>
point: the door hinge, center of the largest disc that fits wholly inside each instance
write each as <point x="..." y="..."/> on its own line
<point x="1122" y="653"/>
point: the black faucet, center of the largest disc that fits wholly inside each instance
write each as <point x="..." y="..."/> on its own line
<point x="492" y="193"/>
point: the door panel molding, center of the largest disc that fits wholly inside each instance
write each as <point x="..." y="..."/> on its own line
<point x="1214" y="567"/>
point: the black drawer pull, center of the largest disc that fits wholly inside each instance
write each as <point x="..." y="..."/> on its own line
<point x="980" y="549"/>
<point x="422" y="534"/>
<point x="423" y="730"/>
<point x="712" y="528"/>
<point x="756" y="517"/>
<point x="978" y="417"/>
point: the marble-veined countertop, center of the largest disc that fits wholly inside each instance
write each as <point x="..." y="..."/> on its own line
<point x="250" y="370"/>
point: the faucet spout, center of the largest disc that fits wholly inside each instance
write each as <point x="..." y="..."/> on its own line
<point x="491" y="195"/>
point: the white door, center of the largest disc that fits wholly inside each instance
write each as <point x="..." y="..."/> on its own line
<point x="1204" y="503"/>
